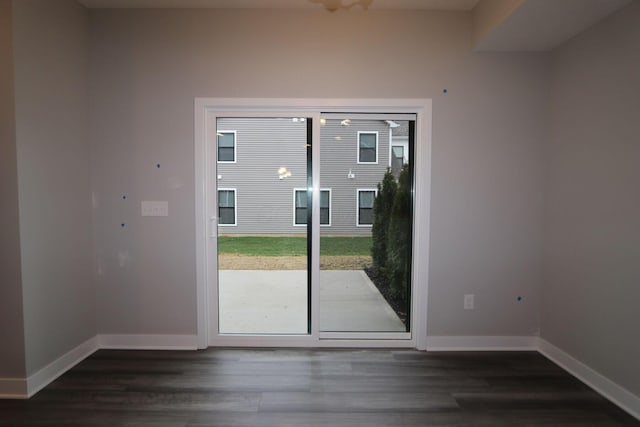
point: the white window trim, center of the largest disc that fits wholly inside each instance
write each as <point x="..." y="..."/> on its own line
<point x="235" y="146"/>
<point x="235" y="207"/>
<point x="399" y="143"/>
<point x="358" y="190"/>
<point x="295" y="190"/>
<point x="330" y="207"/>
<point x="364" y="132"/>
<point x="294" y="207"/>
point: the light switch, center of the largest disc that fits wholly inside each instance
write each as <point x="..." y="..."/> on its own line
<point x="155" y="208"/>
<point x="468" y="301"/>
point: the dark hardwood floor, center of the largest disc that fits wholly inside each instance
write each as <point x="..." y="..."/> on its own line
<point x="287" y="387"/>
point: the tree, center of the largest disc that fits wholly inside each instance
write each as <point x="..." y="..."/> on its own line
<point x="399" y="236"/>
<point x="381" y="215"/>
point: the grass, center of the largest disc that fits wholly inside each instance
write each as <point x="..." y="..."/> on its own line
<point x="292" y="245"/>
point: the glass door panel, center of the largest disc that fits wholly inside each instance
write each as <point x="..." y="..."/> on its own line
<point x="263" y="208"/>
<point x="366" y="184"/>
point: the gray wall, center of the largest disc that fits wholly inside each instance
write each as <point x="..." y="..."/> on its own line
<point x="592" y="246"/>
<point x="50" y="46"/>
<point x="12" y="362"/>
<point x="148" y="65"/>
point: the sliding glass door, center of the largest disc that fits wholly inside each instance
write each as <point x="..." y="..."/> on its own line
<point x="312" y="220"/>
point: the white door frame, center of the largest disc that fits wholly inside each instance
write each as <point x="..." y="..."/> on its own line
<point x="206" y="242"/>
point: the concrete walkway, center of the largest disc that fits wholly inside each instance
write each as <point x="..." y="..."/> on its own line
<point x="275" y="302"/>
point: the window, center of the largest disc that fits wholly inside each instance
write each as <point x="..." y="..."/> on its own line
<point x="367" y="147"/>
<point x="226" y="146"/>
<point x="227" y="207"/>
<point x="300" y="207"/>
<point x="325" y="207"/>
<point x="397" y="159"/>
<point x="365" y="207"/>
<point x="300" y="213"/>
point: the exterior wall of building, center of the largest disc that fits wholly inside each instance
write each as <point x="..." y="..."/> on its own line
<point x="270" y="163"/>
<point x="338" y="158"/>
<point x="264" y="201"/>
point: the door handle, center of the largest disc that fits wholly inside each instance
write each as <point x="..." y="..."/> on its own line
<point x="212" y="227"/>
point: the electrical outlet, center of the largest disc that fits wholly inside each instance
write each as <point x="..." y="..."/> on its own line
<point x="468" y="301"/>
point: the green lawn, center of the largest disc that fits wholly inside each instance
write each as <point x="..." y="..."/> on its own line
<point x="292" y="246"/>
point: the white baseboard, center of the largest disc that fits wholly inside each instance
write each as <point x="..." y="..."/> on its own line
<point x="612" y="391"/>
<point x="481" y="343"/>
<point x="148" y="342"/>
<point x="53" y="370"/>
<point x="607" y="388"/>
<point x="24" y="388"/>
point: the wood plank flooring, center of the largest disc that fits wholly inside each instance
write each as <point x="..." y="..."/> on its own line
<point x="293" y="387"/>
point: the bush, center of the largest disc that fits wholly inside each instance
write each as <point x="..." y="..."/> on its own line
<point x="399" y="237"/>
<point x="381" y="215"/>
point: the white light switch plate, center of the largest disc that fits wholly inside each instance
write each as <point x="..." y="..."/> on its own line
<point x="155" y="208"/>
<point x="469" y="301"/>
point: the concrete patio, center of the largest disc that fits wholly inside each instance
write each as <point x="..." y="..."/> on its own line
<point x="275" y="302"/>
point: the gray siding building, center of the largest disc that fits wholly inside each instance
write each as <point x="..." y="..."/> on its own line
<point x="262" y="173"/>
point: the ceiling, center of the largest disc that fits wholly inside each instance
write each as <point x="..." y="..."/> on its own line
<point x="518" y="25"/>
<point x="541" y="25"/>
